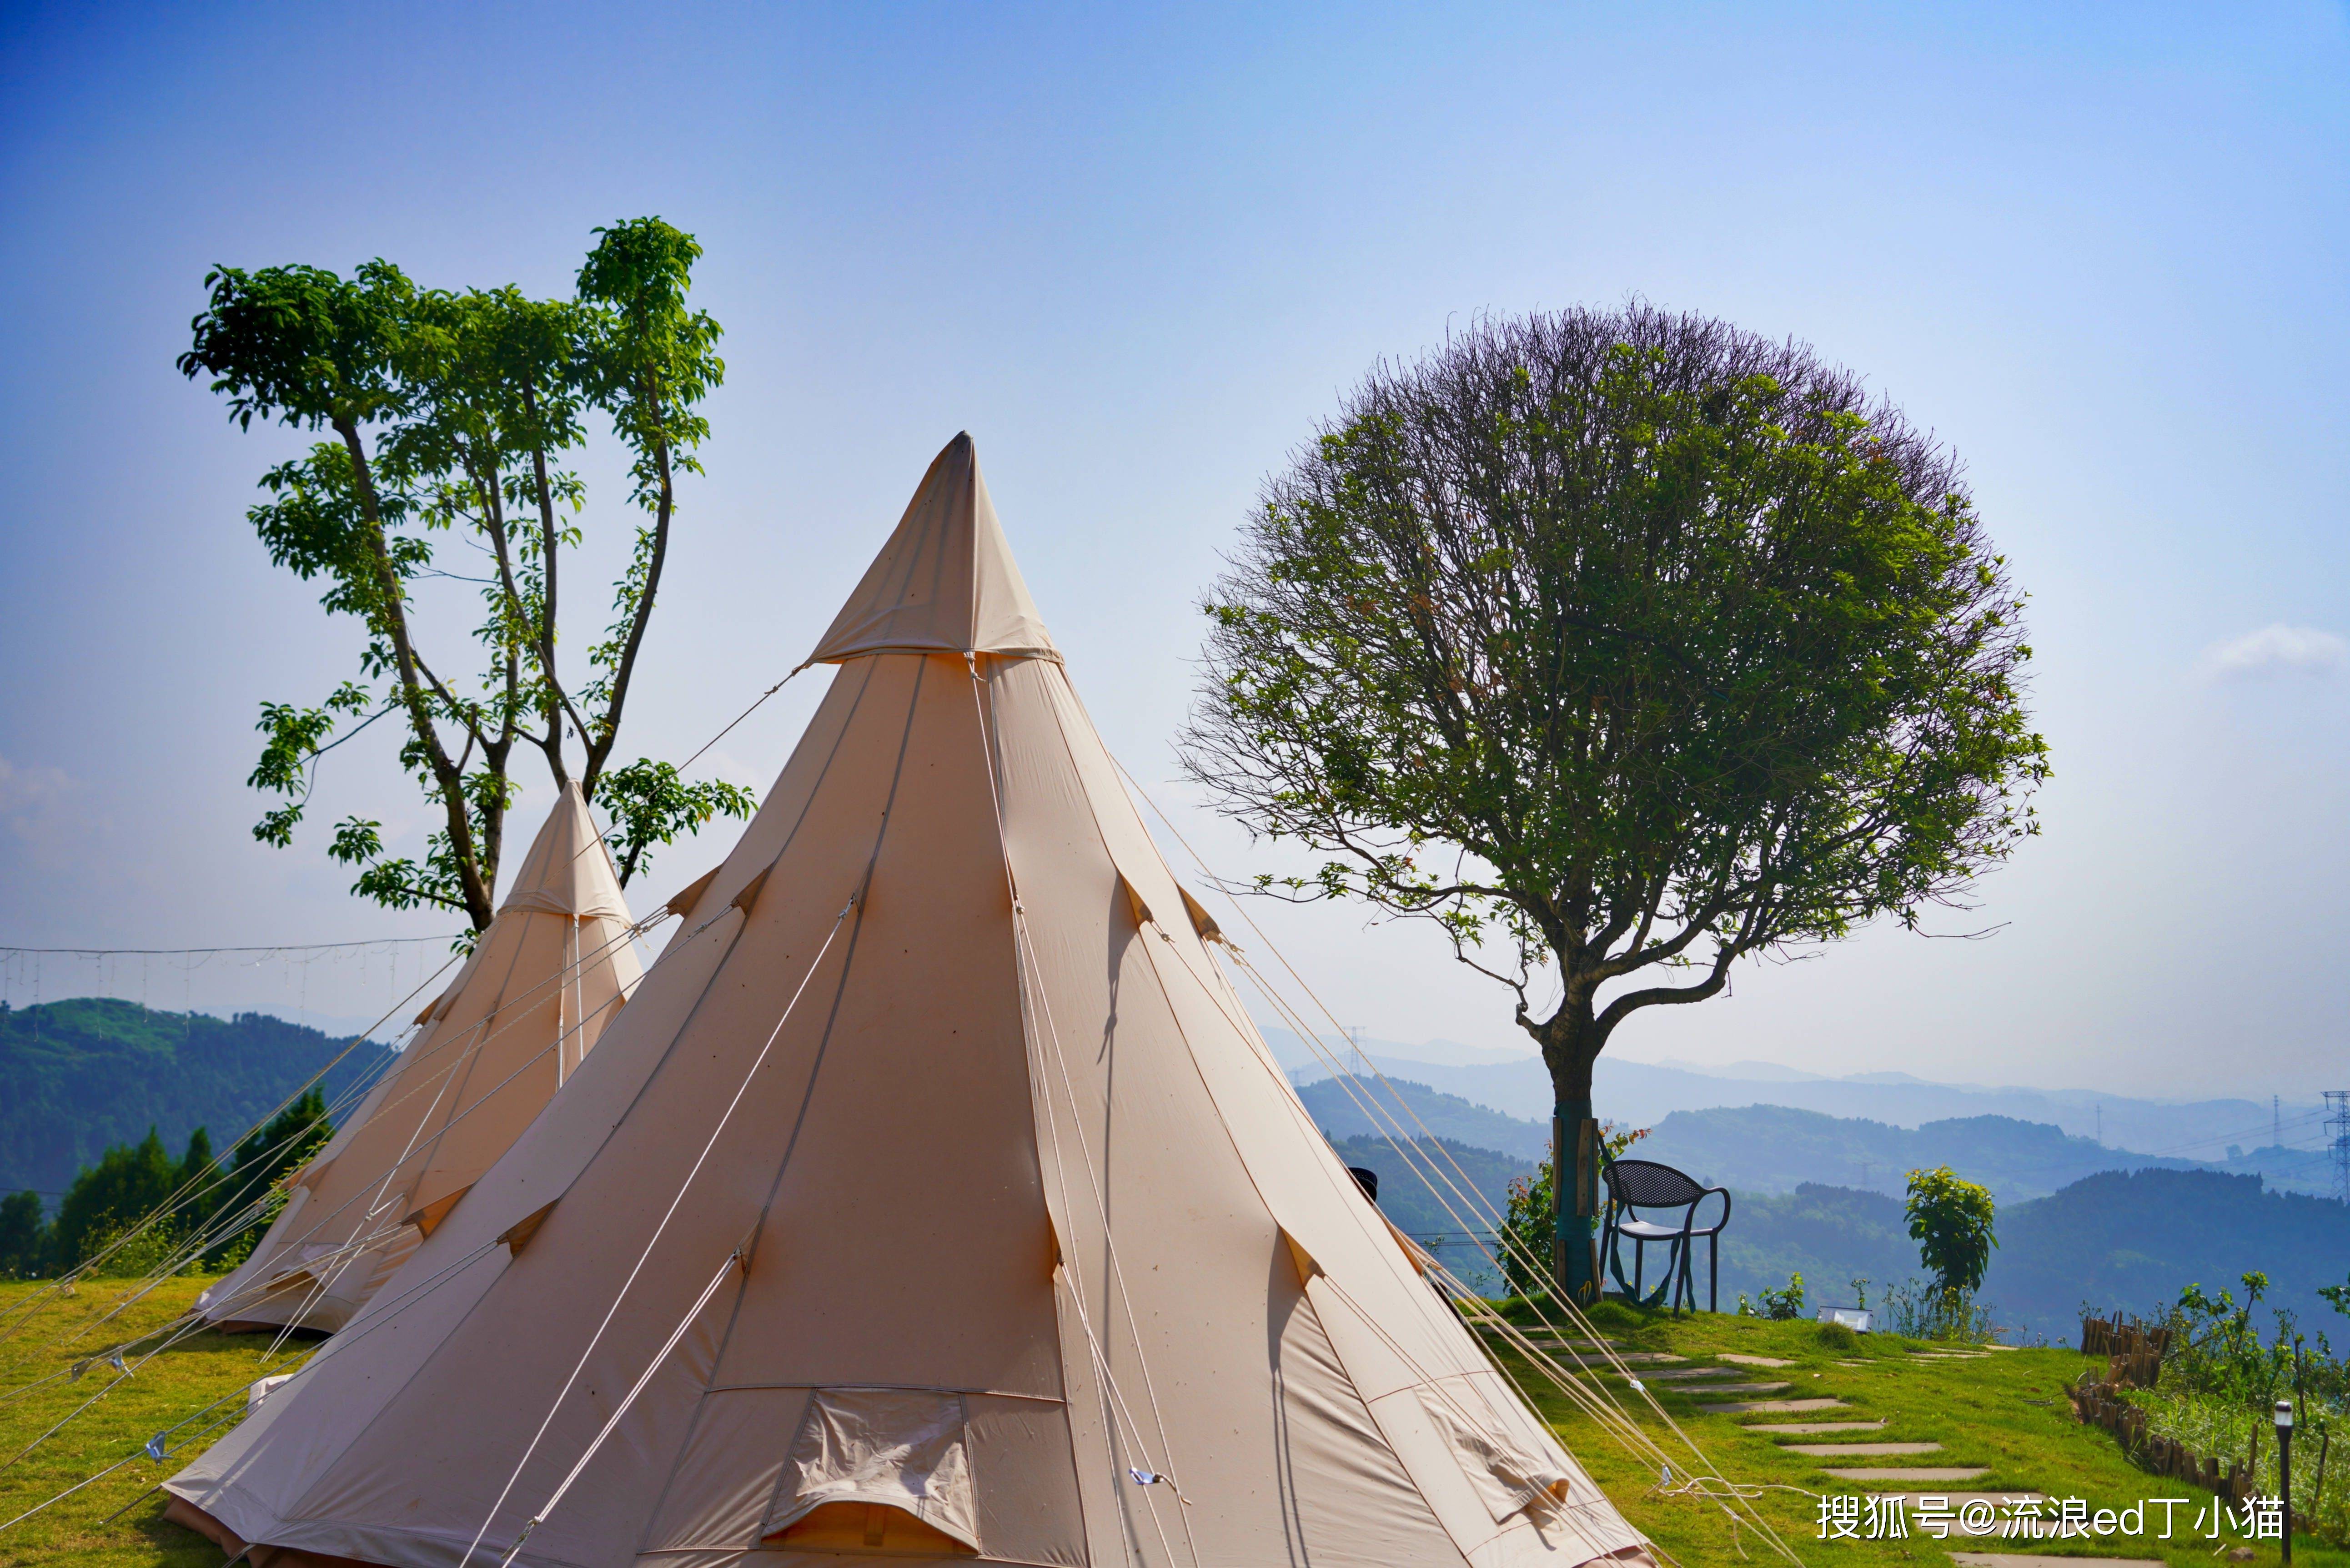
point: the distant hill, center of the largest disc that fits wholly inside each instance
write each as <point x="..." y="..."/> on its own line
<point x="1774" y="1148"/>
<point x="1643" y="1093"/>
<point x="77" y="1076"/>
<point x="2127" y="1239"/>
<point x="1831" y="1235"/>
<point x="2133" y="1239"/>
<point x="1406" y="1200"/>
<point x="1444" y="1116"/>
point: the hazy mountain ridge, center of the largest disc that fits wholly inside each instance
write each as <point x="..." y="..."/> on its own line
<point x="2128" y="1240"/>
<point x="1777" y="1148"/>
<point x="1341" y="1115"/>
<point x="1644" y="1094"/>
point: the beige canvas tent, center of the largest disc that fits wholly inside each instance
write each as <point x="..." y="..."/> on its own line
<point x="933" y="1199"/>
<point x="544" y="981"/>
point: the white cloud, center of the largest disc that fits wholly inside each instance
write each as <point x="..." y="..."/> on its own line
<point x="2278" y="651"/>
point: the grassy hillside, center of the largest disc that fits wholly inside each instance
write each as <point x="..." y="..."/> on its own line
<point x="2003" y="1413"/>
<point x="78" y="1076"/>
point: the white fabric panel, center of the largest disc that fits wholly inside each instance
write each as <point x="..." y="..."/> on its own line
<point x="714" y="1500"/>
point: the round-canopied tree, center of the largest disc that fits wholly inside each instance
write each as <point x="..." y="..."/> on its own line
<point x="1622" y="645"/>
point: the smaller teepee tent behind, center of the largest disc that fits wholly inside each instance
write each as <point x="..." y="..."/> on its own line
<point x="545" y="980"/>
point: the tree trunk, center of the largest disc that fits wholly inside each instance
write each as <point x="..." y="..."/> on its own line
<point x="472" y="884"/>
<point x="1571" y="1041"/>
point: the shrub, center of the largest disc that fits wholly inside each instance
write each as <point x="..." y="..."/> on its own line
<point x="1918" y="1310"/>
<point x="1781" y="1305"/>
<point x="1838" y="1336"/>
<point x="1950" y="1220"/>
<point x="137" y="1255"/>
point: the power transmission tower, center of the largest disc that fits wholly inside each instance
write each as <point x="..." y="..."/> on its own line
<point x="2338" y="1124"/>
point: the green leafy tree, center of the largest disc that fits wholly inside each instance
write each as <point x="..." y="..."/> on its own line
<point x="1622" y="646"/>
<point x="24" y="1236"/>
<point x="261" y="1163"/>
<point x="452" y="415"/>
<point x="1950" y="1220"/>
<point x="128" y="1182"/>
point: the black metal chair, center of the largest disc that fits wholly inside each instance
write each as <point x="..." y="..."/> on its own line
<point x="1636" y="1184"/>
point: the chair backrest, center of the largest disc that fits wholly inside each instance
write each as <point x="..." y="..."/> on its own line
<point x="1645" y="1184"/>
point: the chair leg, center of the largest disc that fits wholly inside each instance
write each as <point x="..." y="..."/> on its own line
<point x="1713" y="1272"/>
<point x="1639" y="1254"/>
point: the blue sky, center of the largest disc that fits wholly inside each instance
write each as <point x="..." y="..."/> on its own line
<point x="2100" y="250"/>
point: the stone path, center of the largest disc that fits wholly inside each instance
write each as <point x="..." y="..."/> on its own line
<point x="1713" y="1388"/>
<point x="1772" y="1407"/>
<point x="2008" y="1559"/>
<point x="1928" y="1473"/>
<point x="1754" y="1360"/>
<point x="1688" y="1373"/>
<point x="1812" y="1428"/>
<point x="1857" y="1450"/>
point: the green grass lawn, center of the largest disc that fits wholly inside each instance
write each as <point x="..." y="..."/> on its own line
<point x="192" y="1374"/>
<point x="2007" y="1412"/>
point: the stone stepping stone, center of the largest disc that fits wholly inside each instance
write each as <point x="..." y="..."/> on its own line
<point x="1754" y="1360"/>
<point x="2009" y="1560"/>
<point x="1689" y="1374"/>
<point x="1710" y="1389"/>
<point x="1941" y="1473"/>
<point x="1858" y="1451"/>
<point x="1772" y="1407"/>
<point x="1553" y="1342"/>
<point x="1812" y="1428"/>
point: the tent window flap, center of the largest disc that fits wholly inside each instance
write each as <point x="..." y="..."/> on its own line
<point x="1505" y="1476"/>
<point x="865" y="1454"/>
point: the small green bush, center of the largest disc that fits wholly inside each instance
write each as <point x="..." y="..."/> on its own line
<point x="1613" y="1317"/>
<point x="1783" y="1306"/>
<point x="1838" y="1336"/>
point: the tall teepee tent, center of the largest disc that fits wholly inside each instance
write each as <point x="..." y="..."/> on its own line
<point x="934" y="1198"/>
<point x="542" y="985"/>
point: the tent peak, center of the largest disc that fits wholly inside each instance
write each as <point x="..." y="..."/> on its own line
<point x="568" y="870"/>
<point x="945" y="582"/>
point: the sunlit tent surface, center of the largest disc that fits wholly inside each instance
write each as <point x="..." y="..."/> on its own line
<point x="542" y="985"/>
<point x="1037" y="1258"/>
